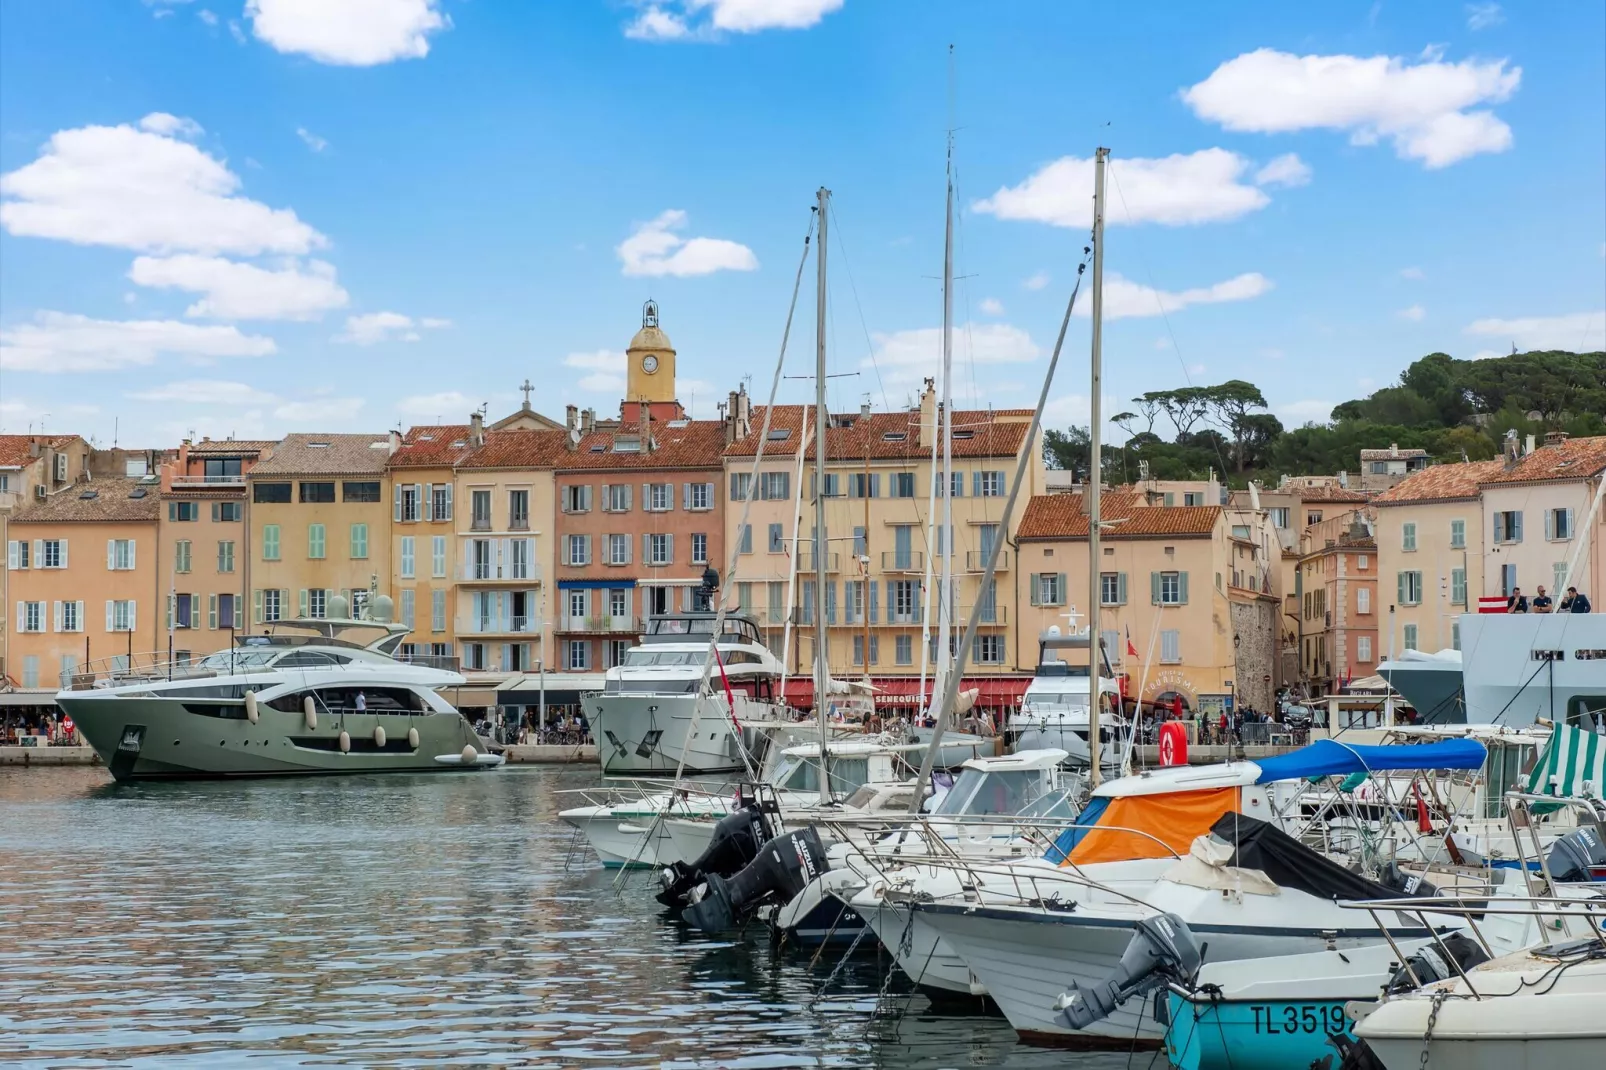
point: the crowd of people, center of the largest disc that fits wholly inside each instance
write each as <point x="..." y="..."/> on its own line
<point x="49" y="728"/>
<point x="1574" y="601"/>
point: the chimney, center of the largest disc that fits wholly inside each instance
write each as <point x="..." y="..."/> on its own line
<point x="571" y="417"/>
<point x="33" y="447"/>
<point x="1343" y="480"/>
<point x="864" y="410"/>
<point x="476" y="430"/>
<point x="588" y="420"/>
<point x="1509" y="445"/>
<point x="928" y="414"/>
<point x="1555" y="438"/>
<point x="394" y="444"/>
<point x="1527" y="445"/>
<point x="644" y="418"/>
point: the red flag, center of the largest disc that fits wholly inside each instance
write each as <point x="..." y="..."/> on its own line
<point x="730" y="699"/>
<point x="1131" y="651"/>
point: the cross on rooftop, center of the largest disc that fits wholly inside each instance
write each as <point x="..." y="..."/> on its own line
<point x="527" y="387"/>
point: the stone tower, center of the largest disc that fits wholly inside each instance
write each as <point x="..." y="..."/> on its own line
<point x="650" y="368"/>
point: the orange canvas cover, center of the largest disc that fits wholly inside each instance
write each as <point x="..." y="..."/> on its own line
<point x="1172" y="820"/>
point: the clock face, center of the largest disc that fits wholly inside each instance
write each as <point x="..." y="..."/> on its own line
<point x="649" y="364"/>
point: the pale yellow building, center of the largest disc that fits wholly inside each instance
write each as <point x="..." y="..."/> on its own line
<point x="321" y="514"/>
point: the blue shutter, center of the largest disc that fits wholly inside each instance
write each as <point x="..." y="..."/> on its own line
<point x="1516" y="529"/>
<point x="875" y="609"/>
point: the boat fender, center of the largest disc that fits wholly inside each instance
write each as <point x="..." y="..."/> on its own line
<point x="251" y="706"/>
<point x="379" y="736"/>
<point x="1162" y="949"/>
<point x="310" y="713"/>
<point x="412" y="738"/>
<point x="470" y="755"/>
<point x="345" y="742"/>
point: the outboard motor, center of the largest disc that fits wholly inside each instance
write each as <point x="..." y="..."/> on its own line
<point x="1162" y="949"/>
<point x="1574" y="855"/>
<point x="1430" y="964"/>
<point x="1408" y="885"/>
<point x="735" y="843"/>
<point x="783" y="868"/>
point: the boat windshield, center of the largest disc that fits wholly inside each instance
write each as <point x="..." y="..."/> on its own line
<point x="978" y="792"/>
<point x="1068" y="699"/>
<point x="240" y="660"/>
<point x="802" y="773"/>
<point x="643" y="656"/>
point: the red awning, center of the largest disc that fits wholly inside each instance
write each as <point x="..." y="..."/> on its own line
<point x="897" y="691"/>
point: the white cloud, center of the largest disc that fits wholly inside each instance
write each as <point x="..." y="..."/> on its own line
<point x="311" y="140"/>
<point x="19" y="415"/>
<point x="1416" y="313"/>
<point x="434" y="323"/>
<point x="140" y="189"/>
<point x="207" y="17"/>
<point x="1299" y="413"/>
<point x="1287" y="170"/>
<point x="444" y="406"/>
<point x="1421" y="107"/>
<point x="1415" y="274"/>
<point x="654" y="249"/>
<point x="244" y="291"/>
<point x="235" y="32"/>
<point x="1201" y="187"/>
<point x="372" y="327"/>
<point x="1580" y="332"/>
<point x="677" y="20"/>
<point x="164" y="125"/>
<point x="64" y="342"/>
<point x="1483" y="16"/>
<point x="992" y="306"/>
<point x="1037" y="281"/>
<point x="904" y="357"/>
<point x="604" y="368"/>
<point x="1125" y="299"/>
<point x="1196" y="369"/>
<point x="205" y="392"/>
<point x="353" y="33"/>
<point x="324" y="410"/>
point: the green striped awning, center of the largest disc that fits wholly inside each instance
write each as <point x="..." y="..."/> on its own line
<point x="1573" y="765"/>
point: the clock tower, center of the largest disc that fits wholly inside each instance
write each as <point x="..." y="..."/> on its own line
<point x="650" y="367"/>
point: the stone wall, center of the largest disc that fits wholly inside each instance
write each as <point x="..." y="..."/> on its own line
<point x="1255" y="625"/>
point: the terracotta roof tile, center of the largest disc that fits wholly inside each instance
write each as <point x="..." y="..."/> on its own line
<point x="695" y="444"/>
<point x="1060" y="516"/>
<point x="1440" y="483"/>
<point x="1572" y="459"/>
<point x="232" y="445"/>
<point x="1329" y="494"/>
<point x="432" y="446"/>
<point x="15" y="450"/>
<point x="111" y="499"/>
<point x="891" y="435"/>
<point x="326" y="455"/>
<point x="518" y="449"/>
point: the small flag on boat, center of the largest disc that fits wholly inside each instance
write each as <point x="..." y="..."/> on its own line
<point x="1131" y="651"/>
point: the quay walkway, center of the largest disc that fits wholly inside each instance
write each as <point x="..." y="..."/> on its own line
<point x="64" y="755"/>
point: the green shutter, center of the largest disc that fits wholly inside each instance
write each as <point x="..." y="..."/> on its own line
<point x="1154" y="588"/>
<point x="1399" y="588"/>
<point x="1182" y="588"/>
<point x="1064" y="590"/>
<point x="256" y="606"/>
<point x="1120" y="588"/>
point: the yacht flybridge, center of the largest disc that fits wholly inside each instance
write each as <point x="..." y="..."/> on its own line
<point x="663" y="712"/>
<point x="305" y="696"/>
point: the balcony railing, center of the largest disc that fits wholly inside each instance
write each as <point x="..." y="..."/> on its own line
<point x="448" y="662"/>
<point x="493" y="625"/>
<point x="904" y="561"/>
<point x="976" y="561"/>
<point x="209" y="481"/>
<point x="491" y="572"/>
<point x="479" y="522"/>
<point x="628" y="624"/>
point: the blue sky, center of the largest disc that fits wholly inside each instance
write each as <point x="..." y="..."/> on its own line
<point x="292" y="215"/>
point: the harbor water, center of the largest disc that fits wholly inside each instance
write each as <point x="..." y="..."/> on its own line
<point x="444" y="920"/>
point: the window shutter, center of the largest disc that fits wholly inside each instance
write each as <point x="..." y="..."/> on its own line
<point x="211" y="611"/>
<point x="1516" y="529"/>
<point x="1399" y="592"/>
<point x="13" y="558"/>
<point x="1036" y="588"/>
<point x="1120" y="588"/>
<point x="646" y="548"/>
<point x="56" y="616"/>
<point x="1550" y="524"/>
<point x="396" y="502"/>
<point x="214" y="512"/>
<point x="1064" y="589"/>
<point x="111" y="553"/>
<point x="975" y="484"/>
<point x="1182" y="588"/>
<point x="1154" y="588"/>
<point x="22" y="616"/>
<point x="64" y="550"/>
<point x="685" y="496"/>
<point x="428" y="504"/>
<point x="133" y="612"/>
<point x="669" y="547"/>
<point x="109" y="619"/>
<point x="256" y="607"/>
<point x="875" y="608"/>
<point x="448" y="504"/>
<point x="303" y="602"/>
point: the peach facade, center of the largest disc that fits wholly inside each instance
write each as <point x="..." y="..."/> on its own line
<point x="1430" y="570"/>
<point x="500" y="560"/>
<point x="30" y="464"/>
<point x="1336" y="589"/>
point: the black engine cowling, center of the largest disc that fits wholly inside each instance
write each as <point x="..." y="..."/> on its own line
<point x="1408" y="885"/>
<point x="1430" y="963"/>
<point x="1162" y="949"/>
<point x="1575" y="854"/>
<point x="735" y="842"/>
<point x="783" y="868"/>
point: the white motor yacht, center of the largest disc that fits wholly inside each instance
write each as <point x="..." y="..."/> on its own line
<point x="656" y="715"/>
<point x="304" y="696"/>
<point x="1054" y="710"/>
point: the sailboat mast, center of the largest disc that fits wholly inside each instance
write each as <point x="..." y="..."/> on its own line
<point x="1095" y="476"/>
<point x="945" y="536"/>
<point x="822" y="671"/>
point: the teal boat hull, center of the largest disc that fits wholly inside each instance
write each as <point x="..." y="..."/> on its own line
<point x="1222" y="1034"/>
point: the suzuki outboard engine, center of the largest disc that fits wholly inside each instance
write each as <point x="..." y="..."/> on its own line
<point x="1408" y="885"/>
<point x="1575" y="854"/>
<point x="735" y="843"/>
<point x="1162" y="949"/>
<point x="1429" y="964"/>
<point x="783" y="868"/>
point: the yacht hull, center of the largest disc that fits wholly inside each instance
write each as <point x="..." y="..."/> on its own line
<point x="662" y="735"/>
<point x="159" y="739"/>
<point x="920" y="951"/>
<point x="633" y="836"/>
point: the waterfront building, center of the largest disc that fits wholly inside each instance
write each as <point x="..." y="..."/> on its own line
<point x="1533" y="509"/>
<point x="31" y="468"/>
<point x="204" y="529"/>
<point x="1431" y="543"/>
<point x="880" y="540"/>
<point x="423" y="542"/>
<point x="1168" y="591"/>
<point x="1336" y="589"/>
<point x="320" y="523"/>
<point x="1382" y="469"/>
<point x="90" y="583"/>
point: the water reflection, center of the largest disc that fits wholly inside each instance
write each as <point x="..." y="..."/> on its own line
<point x="401" y="921"/>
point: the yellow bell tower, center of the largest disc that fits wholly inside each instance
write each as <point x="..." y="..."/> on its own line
<point x="650" y="362"/>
